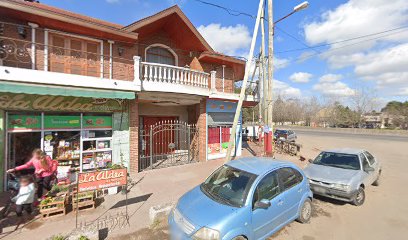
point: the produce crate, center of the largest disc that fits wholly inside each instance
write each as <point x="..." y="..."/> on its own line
<point x="53" y="206"/>
<point x="86" y="200"/>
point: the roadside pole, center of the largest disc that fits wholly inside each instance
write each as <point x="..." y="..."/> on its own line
<point x="232" y="141"/>
<point x="269" y="134"/>
<point x="263" y="104"/>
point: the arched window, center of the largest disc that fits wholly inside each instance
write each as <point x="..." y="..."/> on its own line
<point x="159" y="54"/>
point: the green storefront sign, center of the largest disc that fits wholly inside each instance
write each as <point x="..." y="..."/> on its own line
<point x="13" y="101"/>
<point x="24" y="122"/>
<point x="62" y="122"/>
<point x="97" y="121"/>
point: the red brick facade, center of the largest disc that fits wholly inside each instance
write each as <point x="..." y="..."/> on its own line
<point x="202" y="128"/>
<point x="134" y="136"/>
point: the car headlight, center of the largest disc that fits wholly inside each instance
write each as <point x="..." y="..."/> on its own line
<point x="206" y="234"/>
<point x="343" y="187"/>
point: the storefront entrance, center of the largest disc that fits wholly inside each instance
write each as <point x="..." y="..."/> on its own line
<point x="78" y="141"/>
<point x="220" y="116"/>
<point x="167" y="143"/>
<point x="80" y="133"/>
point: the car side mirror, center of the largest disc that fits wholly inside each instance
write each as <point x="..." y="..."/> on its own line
<point x="369" y="169"/>
<point x="264" y="204"/>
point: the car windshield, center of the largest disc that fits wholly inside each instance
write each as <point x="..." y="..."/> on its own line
<point x="228" y="185"/>
<point x="339" y="160"/>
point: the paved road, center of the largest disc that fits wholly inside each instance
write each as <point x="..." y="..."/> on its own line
<point x="352" y="135"/>
<point x="385" y="212"/>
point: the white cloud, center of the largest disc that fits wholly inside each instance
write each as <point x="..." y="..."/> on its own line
<point x="285" y="90"/>
<point x="382" y="60"/>
<point x="330" y="78"/>
<point x="300" y="77"/>
<point x="335" y="89"/>
<point x="280" y="63"/>
<point x="330" y="85"/>
<point x="356" y="18"/>
<point x="230" y="40"/>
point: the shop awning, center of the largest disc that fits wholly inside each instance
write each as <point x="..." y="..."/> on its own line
<point x="64" y="91"/>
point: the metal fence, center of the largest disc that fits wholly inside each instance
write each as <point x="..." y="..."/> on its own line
<point x="167" y="143"/>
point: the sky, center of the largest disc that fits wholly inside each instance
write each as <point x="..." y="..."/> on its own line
<point x="331" y="50"/>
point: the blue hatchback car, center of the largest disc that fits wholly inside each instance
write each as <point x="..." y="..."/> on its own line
<point x="249" y="198"/>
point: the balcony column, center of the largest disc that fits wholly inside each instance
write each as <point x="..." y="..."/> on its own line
<point x="110" y="59"/>
<point x="33" y="27"/>
<point x="46" y="50"/>
<point x="136" y="79"/>
<point x="213" y="74"/>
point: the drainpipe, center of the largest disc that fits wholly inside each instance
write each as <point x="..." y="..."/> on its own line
<point x="33" y="27"/>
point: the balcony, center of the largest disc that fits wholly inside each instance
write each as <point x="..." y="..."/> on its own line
<point x="54" y="58"/>
<point x="155" y="77"/>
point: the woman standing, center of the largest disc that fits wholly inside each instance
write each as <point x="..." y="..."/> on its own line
<point x="44" y="170"/>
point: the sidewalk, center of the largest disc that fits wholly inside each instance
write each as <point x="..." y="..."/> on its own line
<point x="151" y="188"/>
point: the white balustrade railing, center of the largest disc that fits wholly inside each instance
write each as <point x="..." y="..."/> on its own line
<point x="162" y="73"/>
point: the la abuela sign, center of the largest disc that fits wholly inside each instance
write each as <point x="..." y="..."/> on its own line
<point x="88" y="181"/>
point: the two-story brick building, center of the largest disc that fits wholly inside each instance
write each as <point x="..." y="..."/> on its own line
<point x="92" y="93"/>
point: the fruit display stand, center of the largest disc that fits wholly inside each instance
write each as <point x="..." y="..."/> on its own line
<point x="85" y="200"/>
<point x="54" y="206"/>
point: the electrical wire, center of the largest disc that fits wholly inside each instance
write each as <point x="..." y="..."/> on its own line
<point x="344" y="46"/>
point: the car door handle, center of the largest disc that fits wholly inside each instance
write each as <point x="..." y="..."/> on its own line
<point x="280" y="203"/>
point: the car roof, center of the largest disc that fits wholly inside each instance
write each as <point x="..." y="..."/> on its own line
<point x="258" y="165"/>
<point x="345" y="150"/>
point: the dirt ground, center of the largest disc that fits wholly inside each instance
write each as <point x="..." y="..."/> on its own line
<point x="383" y="216"/>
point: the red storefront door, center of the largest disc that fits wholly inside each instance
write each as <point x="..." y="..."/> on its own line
<point x="161" y="139"/>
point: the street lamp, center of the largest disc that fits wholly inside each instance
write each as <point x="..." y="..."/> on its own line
<point x="268" y="140"/>
<point x="301" y="6"/>
<point x="297" y="8"/>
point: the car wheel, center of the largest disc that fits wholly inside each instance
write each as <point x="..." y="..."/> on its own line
<point x="239" y="238"/>
<point x="305" y="212"/>
<point x="360" y="197"/>
<point x="377" y="181"/>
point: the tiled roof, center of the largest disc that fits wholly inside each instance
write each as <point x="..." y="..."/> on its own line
<point x="67" y="13"/>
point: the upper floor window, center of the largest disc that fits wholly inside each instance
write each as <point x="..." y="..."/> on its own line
<point x="158" y="54"/>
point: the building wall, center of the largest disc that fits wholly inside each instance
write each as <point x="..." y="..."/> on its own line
<point x="148" y="109"/>
<point x="228" y="76"/>
<point x="161" y="37"/>
<point x="134" y="136"/>
<point x="202" y="131"/>
<point x="122" y="66"/>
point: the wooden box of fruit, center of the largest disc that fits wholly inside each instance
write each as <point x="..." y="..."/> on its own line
<point x="55" y="202"/>
<point x="83" y="200"/>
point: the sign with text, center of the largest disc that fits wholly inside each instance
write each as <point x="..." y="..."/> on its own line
<point x="88" y="181"/>
<point x="58" y="103"/>
<point x="24" y="122"/>
<point x="97" y="121"/>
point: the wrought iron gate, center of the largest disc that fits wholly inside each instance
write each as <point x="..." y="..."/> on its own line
<point x="167" y="143"/>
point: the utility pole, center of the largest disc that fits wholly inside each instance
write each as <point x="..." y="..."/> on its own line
<point x="264" y="104"/>
<point x="269" y="135"/>
<point x="232" y="141"/>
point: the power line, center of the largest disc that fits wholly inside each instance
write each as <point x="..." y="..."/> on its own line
<point x="344" y="46"/>
<point x="230" y="11"/>
<point x="237" y="13"/>
<point x="301" y="42"/>
<point x="344" y="40"/>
